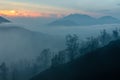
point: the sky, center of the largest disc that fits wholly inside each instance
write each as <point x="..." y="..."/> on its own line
<point x="58" y="8"/>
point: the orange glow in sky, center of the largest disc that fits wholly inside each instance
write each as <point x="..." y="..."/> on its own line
<point x="21" y="13"/>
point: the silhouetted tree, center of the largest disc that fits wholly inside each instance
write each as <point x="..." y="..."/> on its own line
<point x="62" y="56"/>
<point x="59" y="58"/>
<point x="89" y="45"/>
<point x="105" y="38"/>
<point x="14" y="73"/>
<point x="93" y="43"/>
<point x="72" y="43"/>
<point x="35" y="69"/>
<point x="44" y="59"/>
<point x="55" y="60"/>
<point x="4" y="71"/>
<point x="115" y="34"/>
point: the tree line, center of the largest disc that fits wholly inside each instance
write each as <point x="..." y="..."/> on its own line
<point x="47" y="58"/>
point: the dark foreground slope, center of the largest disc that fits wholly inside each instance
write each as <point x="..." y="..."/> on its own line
<point x="102" y="64"/>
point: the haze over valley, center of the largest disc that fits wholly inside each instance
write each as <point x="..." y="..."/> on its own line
<point x="22" y="37"/>
<point x="59" y="40"/>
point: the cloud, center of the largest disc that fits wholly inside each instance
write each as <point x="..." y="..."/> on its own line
<point x="22" y="13"/>
<point x="11" y="8"/>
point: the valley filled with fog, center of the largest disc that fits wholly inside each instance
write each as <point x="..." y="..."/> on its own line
<point x="59" y="39"/>
<point x="43" y="35"/>
<point x="22" y="44"/>
<point x="18" y="43"/>
<point x="22" y="39"/>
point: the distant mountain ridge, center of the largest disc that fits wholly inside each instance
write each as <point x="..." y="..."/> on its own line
<point x="3" y="20"/>
<point x="108" y="20"/>
<point x="83" y="20"/>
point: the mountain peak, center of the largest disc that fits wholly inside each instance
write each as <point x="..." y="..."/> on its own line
<point x="74" y="20"/>
<point x="108" y="17"/>
<point x="108" y="20"/>
<point x="83" y="20"/>
<point x="77" y="16"/>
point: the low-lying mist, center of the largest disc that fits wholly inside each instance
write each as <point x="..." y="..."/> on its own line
<point x="22" y="40"/>
<point x="22" y="44"/>
<point x="18" y="43"/>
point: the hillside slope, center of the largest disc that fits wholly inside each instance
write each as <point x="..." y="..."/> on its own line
<point x="18" y="43"/>
<point x="3" y="20"/>
<point x="102" y="64"/>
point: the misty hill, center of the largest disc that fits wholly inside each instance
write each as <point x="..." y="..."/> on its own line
<point x="21" y="44"/>
<point x="101" y="64"/>
<point x="108" y="20"/>
<point x="15" y="44"/>
<point x="3" y="20"/>
<point x="83" y="20"/>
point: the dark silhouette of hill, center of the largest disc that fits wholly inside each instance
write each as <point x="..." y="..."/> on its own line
<point x="101" y="64"/>
<point x="83" y="20"/>
<point x="3" y="20"/>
